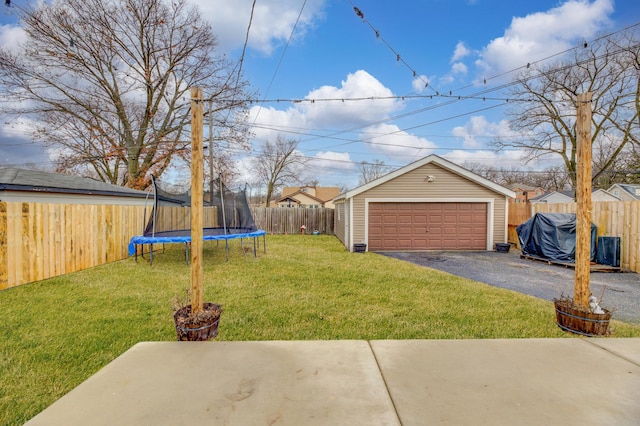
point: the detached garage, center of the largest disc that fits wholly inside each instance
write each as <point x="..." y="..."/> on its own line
<point x="432" y="204"/>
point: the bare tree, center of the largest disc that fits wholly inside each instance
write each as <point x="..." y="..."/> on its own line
<point x="278" y="164"/>
<point x="108" y="80"/>
<point x="483" y="170"/>
<point x="546" y="103"/>
<point x="343" y="188"/>
<point x="372" y="170"/>
<point x="553" y="178"/>
<point x="629" y="45"/>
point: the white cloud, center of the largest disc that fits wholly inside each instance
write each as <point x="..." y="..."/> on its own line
<point x="420" y="83"/>
<point x="478" y="130"/>
<point x="535" y="36"/>
<point x="330" y="168"/>
<point x="12" y="36"/>
<point x="360" y="84"/>
<point x="273" y="21"/>
<point x="390" y="141"/>
<point x="269" y="122"/>
<point x="458" y="68"/>
<point x="271" y="26"/>
<point x="503" y="159"/>
<point x="333" y="161"/>
<point x="446" y="79"/>
<point x="244" y="168"/>
<point x="335" y="114"/>
<point x="460" y="52"/>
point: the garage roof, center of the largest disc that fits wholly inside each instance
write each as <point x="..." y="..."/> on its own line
<point x="431" y="159"/>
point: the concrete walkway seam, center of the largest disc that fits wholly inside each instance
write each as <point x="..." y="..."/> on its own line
<point x="384" y="380"/>
<point x="612" y="352"/>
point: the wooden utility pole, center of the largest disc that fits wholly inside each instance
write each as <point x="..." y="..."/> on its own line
<point x="581" y="290"/>
<point x="197" y="108"/>
<point x="211" y="153"/>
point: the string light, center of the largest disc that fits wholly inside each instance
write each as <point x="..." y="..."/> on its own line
<point x="399" y="58"/>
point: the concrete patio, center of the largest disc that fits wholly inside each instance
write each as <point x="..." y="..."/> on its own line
<point x="573" y="381"/>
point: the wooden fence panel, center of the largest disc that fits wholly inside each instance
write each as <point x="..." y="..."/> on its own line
<point x="519" y="213"/>
<point x="280" y="220"/>
<point x="4" y="279"/>
<point x="39" y="241"/>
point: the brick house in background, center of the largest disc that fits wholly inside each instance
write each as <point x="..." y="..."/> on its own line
<point x="310" y="197"/>
<point x="524" y="192"/>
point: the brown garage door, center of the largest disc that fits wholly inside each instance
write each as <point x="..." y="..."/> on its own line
<point x="427" y="226"/>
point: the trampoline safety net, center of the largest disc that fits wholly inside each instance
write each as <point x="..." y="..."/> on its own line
<point x="227" y="212"/>
<point x="225" y="216"/>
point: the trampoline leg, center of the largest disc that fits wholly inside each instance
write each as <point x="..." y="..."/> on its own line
<point x="150" y="254"/>
<point x="264" y="243"/>
<point x="226" y="243"/>
<point x="186" y="253"/>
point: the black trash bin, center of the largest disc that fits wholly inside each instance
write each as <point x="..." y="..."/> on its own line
<point x="359" y="247"/>
<point x="608" y="252"/>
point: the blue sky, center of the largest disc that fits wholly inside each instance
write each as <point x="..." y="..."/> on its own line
<point x="454" y="45"/>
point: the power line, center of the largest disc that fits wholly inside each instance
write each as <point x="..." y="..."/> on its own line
<point x="398" y="56"/>
<point x="284" y="51"/>
<point x="244" y="47"/>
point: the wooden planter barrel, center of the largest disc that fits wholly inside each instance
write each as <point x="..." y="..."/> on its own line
<point x="570" y="317"/>
<point x="204" y="329"/>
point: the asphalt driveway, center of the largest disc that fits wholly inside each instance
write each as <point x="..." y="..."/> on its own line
<point x="620" y="292"/>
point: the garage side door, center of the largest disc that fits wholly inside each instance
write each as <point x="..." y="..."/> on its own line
<point x="427" y="226"/>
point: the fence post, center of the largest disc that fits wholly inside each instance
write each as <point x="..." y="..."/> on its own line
<point x="4" y="266"/>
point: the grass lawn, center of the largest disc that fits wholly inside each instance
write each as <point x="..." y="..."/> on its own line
<point x="58" y="332"/>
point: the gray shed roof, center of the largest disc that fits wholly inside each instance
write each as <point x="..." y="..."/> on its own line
<point x="13" y="179"/>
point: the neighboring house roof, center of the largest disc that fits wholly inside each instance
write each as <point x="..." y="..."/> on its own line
<point x="602" y="195"/>
<point x="445" y="164"/>
<point x="300" y="192"/>
<point x="321" y="193"/>
<point x="287" y="199"/>
<point x="13" y="179"/>
<point x="289" y="190"/>
<point x="631" y="190"/>
<point x="522" y="186"/>
<point x="327" y="193"/>
<point x="554" y="197"/>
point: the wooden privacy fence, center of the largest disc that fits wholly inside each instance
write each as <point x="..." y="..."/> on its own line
<point x="612" y="218"/>
<point x="281" y="220"/>
<point x="518" y="213"/>
<point x="39" y="241"/>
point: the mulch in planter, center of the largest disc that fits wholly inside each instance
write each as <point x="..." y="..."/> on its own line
<point x="199" y="327"/>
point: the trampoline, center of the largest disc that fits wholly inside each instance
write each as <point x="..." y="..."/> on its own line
<point x="226" y="217"/>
